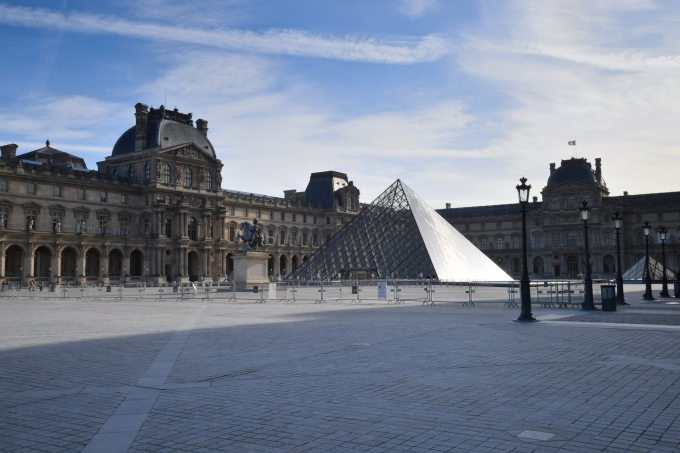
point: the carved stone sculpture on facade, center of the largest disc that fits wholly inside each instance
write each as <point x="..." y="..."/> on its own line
<point x="57" y="226"/>
<point x="251" y="236"/>
<point x="82" y="226"/>
<point x="2" y="222"/>
<point x="29" y="224"/>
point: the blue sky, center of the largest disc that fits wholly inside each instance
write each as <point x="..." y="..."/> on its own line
<point x="459" y="99"/>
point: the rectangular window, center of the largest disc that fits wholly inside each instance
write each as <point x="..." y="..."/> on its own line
<point x="328" y="220"/>
<point x="80" y="222"/>
<point x="3" y="186"/>
<point x="56" y="219"/>
<point x="304" y="239"/>
<point x="555" y="204"/>
<point x="304" y="218"/>
<point x="270" y="237"/>
<point x="482" y="242"/>
<point x="168" y="227"/>
<point x="232" y="233"/>
<point x="514" y="224"/>
<point x="146" y="200"/>
<point x="231" y="211"/>
<point x="258" y="214"/>
<point x="283" y="216"/>
<point x="499" y="243"/>
<point x="293" y="217"/>
<point x="81" y="194"/>
<point x="607" y="238"/>
<point x="102" y="197"/>
<point x="515" y="242"/>
<point x="31" y="214"/>
<point x="328" y="237"/>
<point x="57" y="191"/>
<point x="586" y="198"/>
<point x="467" y="227"/>
<point x="570" y="202"/>
<point x="282" y="237"/>
<point x="659" y="217"/>
<point x="537" y="222"/>
<point x="638" y="217"/>
<point x="4" y="215"/>
<point x="124" y="224"/>
<point x="342" y="220"/>
<point x="483" y="226"/>
<point x="293" y="238"/>
<point x="271" y="215"/>
<point x="640" y="237"/>
<point x="537" y="241"/>
<point x="245" y="212"/>
<point x="31" y="188"/>
<point x="556" y="239"/>
<point x="572" y="239"/>
<point x="147" y="225"/>
<point x="168" y="200"/>
<point x="315" y="240"/>
<point x="103" y="223"/>
<point x="124" y="199"/>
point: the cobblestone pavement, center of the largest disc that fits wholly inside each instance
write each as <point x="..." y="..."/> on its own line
<point x="115" y="376"/>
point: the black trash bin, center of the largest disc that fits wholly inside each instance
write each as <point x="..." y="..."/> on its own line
<point x="108" y="288"/>
<point x="676" y="286"/>
<point x="608" y="297"/>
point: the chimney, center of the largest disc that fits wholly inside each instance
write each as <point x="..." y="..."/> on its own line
<point x="202" y="125"/>
<point x="535" y="199"/>
<point x="142" y="114"/>
<point x="552" y="168"/>
<point x="448" y="205"/>
<point x="9" y="151"/>
<point x="625" y="193"/>
<point x="598" y="170"/>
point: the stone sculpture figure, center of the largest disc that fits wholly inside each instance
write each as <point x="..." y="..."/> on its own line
<point x="29" y="224"/>
<point x="57" y="227"/>
<point x="2" y="221"/>
<point x="252" y="237"/>
<point x="82" y="226"/>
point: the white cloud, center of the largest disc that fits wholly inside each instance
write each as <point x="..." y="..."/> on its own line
<point x="416" y="8"/>
<point x="401" y="50"/>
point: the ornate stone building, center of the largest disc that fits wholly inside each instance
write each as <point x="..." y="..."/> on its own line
<point x="555" y="231"/>
<point x="154" y="210"/>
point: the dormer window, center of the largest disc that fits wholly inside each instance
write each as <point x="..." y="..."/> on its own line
<point x="131" y="172"/>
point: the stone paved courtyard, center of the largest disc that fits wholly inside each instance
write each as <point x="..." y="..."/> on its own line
<point x="143" y="376"/>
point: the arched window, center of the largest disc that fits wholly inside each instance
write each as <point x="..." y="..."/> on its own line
<point x="147" y="172"/>
<point x="208" y="180"/>
<point x="115" y="172"/>
<point x="572" y="240"/>
<point x="538" y="265"/>
<point x="192" y="228"/>
<point x="166" y="173"/>
<point x="131" y="172"/>
<point x="515" y="265"/>
<point x="188" y="176"/>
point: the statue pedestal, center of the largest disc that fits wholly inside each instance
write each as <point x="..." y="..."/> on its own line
<point x="250" y="269"/>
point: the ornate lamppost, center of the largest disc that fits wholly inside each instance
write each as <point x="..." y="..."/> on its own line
<point x="648" y="278"/>
<point x="663" y="234"/>
<point x="524" y="288"/>
<point x="618" y="223"/>
<point x="588" y="303"/>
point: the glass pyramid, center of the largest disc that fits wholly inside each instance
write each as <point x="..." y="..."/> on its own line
<point x="400" y="236"/>
<point x="636" y="273"/>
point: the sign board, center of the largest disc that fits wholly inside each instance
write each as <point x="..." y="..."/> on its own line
<point x="382" y="290"/>
<point x="255" y="288"/>
<point x="354" y="289"/>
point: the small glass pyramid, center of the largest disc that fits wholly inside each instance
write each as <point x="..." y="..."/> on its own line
<point x="400" y="236"/>
<point x="636" y="273"/>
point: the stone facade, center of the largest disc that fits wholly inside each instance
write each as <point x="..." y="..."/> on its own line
<point x="153" y="211"/>
<point x="555" y="230"/>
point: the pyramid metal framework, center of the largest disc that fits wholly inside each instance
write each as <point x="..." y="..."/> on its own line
<point x="636" y="273"/>
<point x="400" y="236"/>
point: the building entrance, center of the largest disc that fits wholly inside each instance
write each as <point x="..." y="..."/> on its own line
<point x="557" y="270"/>
<point x="572" y="266"/>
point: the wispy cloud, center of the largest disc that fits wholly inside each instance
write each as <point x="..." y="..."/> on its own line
<point x="416" y="8"/>
<point x="402" y="50"/>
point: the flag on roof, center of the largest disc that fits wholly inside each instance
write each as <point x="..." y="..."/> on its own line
<point x="572" y="143"/>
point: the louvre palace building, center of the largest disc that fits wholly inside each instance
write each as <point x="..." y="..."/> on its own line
<point x="555" y="232"/>
<point x="154" y="210"/>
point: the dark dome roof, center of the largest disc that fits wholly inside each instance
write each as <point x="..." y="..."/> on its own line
<point x="164" y="133"/>
<point x="578" y="170"/>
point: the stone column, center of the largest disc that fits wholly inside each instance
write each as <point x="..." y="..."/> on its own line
<point x="80" y="266"/>
<point x="162" y="231"/>
<point x="221" y="226"/>
<point x="2" y="259"/>
<point x="277" y="264"/>
<point x="104" y="265"/>
<point x="161" y="262"/>
<point x="126" y="266"/>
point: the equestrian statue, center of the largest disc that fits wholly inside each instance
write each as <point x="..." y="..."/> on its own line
<point x="252" y="237"/>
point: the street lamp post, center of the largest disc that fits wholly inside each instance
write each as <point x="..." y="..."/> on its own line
<point x="648" y="278"/>
<point x="663" y="234"/>
<point x="618" y="223"/>
<point x="525" y="315"/>
<point x="588" y="303"/>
